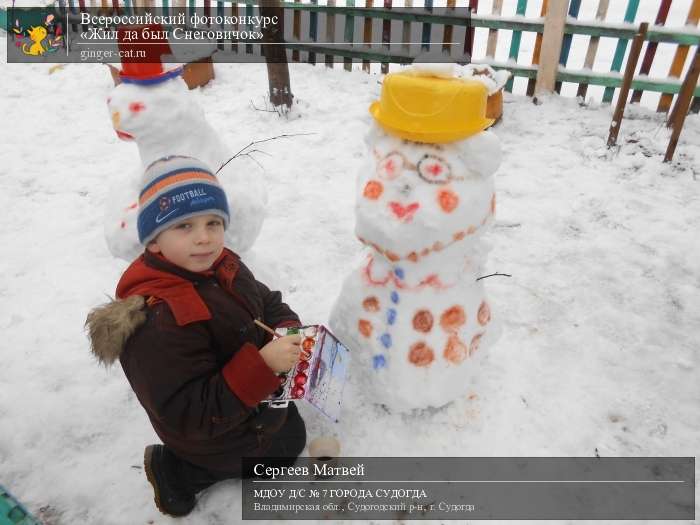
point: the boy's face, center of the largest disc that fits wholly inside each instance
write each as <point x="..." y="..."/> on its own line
<point x="193" y="244"/>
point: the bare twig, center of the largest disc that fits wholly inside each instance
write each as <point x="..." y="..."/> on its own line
<point x="253" y="159"/>
<point x="242" y="150"/>
<point x="493" y="274"/>
<point x="261" y="109"/>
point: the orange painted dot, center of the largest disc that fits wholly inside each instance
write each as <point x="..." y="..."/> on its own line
<point x="423" y="321"/>
<point x="484" y="315"/>
<point x="425" y="251"/>
<point x="365" y="327"/>
<point x="471" y="230"/>
<point x="308" y="344"/>
<point x="413" y="257"/>
<point x="452" y="318"/>
<point x="371" y="304"/>
<point x="421" y="354"/>
<point x="455" y="350"/>
<point x="474" y="346"/>
<point x="448" y="200"/>
<point x="392" y="256"/>
<point x="438" y="246"/>
<point x="459" y="236"/>
<point x="373" y="189"/>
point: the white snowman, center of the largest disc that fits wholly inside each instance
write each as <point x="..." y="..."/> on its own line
<point x="154" y="108"/>
<point x="414" y="315"/>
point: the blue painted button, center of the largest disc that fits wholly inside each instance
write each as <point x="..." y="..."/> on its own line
<point x="394" y="297"/>
<point x="386" y="340"/>
<point x="399" y="272"/>
<point x="378" y="361"/>
<point x="391" y="316"/>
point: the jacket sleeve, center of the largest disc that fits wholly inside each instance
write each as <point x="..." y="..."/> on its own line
<point x="175" y="376"/>
<point x="276" y="313"/>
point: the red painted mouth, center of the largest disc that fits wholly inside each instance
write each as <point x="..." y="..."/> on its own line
<point x="404" y="213"/>
<point x="124" y="135"/>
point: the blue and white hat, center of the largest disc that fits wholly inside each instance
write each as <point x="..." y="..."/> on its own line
<point x="175" y="188"/>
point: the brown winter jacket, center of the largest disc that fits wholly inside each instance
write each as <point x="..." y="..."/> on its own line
<point x="200" y="383"/>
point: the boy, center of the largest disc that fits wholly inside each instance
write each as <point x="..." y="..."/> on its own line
<point x="182" y="328"/>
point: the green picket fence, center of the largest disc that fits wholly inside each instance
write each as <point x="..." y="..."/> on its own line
<point x="343" y="16"/>
<point x="12" y="512"/>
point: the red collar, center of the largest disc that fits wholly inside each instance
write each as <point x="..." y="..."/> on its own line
<point x="153" y="275"/>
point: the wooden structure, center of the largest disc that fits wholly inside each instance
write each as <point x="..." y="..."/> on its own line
<point x="341" y="31"/>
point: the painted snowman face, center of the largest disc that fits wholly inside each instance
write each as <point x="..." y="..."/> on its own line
<point x="415" y="198"/>
<point x="137" y="112"/>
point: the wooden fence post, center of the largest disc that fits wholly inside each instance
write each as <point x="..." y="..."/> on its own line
<point x="296" y="31"/>
<point x="631" y="67"/>
<point x="493" y="33"/>
<point x="313" y="32"/>
<point x="448" y="30"/>
<point x="682" y="103"/>
<point x="574" y="8"/>
<point x="276" y="56"/>
<point x="367" y="33"/>
<point x="679" y="57"/>
<point x="553" y="36"/>
<point x="349" y="34"/>
<point x="515" y="42"/>
<point x="651" y="49"/>
<point x="530" y="91"/>
<point x="406" y="31"/>
<point x="592" y="48"/>
<point x="330" y="31"/>
<point x="386" y="36"/>
<point x="618" y="58"/>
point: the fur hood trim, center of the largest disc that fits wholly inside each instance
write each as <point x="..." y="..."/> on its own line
<point x="110" y="326"/>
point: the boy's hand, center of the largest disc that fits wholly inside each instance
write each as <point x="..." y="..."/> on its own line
<point x="281" y="354"/>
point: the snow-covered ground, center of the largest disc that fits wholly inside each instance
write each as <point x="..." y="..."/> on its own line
<point x="601" y="316"/>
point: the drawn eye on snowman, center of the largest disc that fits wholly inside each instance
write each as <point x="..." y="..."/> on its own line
<point x="430" y="168"/>
<point x="391" y="166"/>
<point x="434" y="170"/>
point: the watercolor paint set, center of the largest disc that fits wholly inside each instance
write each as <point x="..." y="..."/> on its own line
<point x="319" y="375"/>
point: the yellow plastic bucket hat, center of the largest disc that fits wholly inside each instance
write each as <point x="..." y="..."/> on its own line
<point x="431" y="109"/>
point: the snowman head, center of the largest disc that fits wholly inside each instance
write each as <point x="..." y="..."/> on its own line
<point x="140" y="112"/>
<point x="415" y="199"/>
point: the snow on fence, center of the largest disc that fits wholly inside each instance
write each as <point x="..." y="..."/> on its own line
<point x="384" y="32"/>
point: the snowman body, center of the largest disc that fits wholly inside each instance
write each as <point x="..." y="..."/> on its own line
<point x="414" y="314"/>
<point x="164" y="119"/>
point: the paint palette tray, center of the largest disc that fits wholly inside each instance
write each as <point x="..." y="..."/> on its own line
<point x="319" y="375"/>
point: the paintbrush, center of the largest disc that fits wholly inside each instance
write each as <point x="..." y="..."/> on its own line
<point x="266" y="328"/>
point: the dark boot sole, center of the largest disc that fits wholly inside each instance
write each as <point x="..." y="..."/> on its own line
<point x="152" y="479"/>
<point x="147" y="460"/>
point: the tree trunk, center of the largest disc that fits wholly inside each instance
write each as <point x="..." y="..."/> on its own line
<point x="276" y="56"/>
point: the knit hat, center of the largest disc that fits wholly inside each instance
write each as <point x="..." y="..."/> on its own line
<point x="175" y="188"/>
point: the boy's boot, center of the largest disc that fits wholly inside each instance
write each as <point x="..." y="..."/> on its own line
<point x="161" y="470"/>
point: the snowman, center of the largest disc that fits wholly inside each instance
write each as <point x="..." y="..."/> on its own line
<point x="414" y="313"/>
<point x="154" y="108"/>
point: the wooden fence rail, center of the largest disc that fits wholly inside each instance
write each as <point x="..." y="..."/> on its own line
<point x="350" y="44"/>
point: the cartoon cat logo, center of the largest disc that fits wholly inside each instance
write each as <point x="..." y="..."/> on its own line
<point x="36" y="35"/>
<point x="39" y="40"/>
